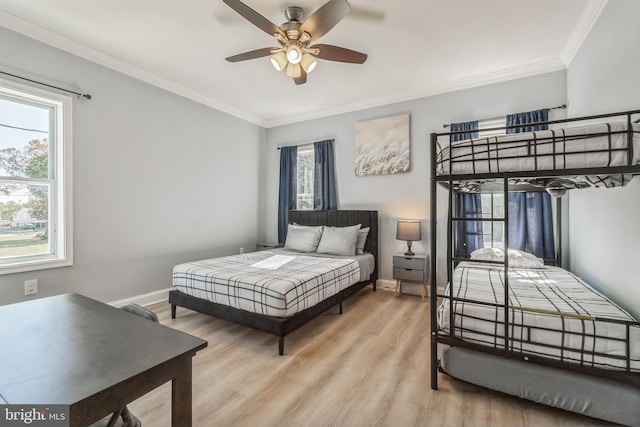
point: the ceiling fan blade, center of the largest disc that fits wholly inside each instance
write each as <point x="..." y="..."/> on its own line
<point x="325" y="18"/>
<point x="339" y="54"/>
<point x="258" y="53"/>
<point x="254" y="17"/>
<point x="302" y="79"/>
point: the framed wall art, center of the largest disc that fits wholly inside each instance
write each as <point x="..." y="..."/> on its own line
<point x="383" y="146"/>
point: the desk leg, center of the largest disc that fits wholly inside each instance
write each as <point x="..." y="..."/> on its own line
<point x="181" y="396"/>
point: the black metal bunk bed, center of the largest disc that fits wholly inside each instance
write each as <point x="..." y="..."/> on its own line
<point x="545" y="157"/>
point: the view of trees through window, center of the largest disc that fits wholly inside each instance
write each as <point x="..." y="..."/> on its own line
<point x="305" y="177"/>
<point x="492" y="231"/>
<point x="24" y="178"/>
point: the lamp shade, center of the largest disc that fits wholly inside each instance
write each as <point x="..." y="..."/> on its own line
<point x="408" y="229"/>
<point x="308" y="62"/>
<point x="279" y="61"/>
<point x="294" y="70"/>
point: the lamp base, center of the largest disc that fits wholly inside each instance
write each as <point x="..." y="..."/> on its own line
<point x="409" y="252"/>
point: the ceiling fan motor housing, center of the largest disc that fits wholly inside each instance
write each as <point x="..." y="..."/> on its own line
<point x="294" y="13"/>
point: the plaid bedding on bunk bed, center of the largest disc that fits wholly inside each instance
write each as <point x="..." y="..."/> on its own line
<point x="599" y="145"/>
<point x="236" y="281"/>
<point x="552" y="313"/>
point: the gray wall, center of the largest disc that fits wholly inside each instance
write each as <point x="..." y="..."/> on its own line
<point x="157" y="179"/>
<point x="403" y="195"/>
<point x="604" y="227"/>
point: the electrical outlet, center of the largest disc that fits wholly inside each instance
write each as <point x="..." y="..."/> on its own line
<point x="31" y="287"/>
<point x="241" y="250"/>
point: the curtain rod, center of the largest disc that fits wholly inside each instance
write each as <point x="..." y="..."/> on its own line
<point x="80" y="95"/>
<point x="307" y="142"/>
<point x="559" y="107"/>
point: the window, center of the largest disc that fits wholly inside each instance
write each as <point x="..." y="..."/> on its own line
<point x="492" y="231"/>
<point x="305" y="161"/>
<point x="492" y="204"/>
<point x="35" y="184"/>
<point x="491" y="123"/>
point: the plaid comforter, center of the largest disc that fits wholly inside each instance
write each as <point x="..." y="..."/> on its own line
<point x="552" y="313"/>
<point x="282" y="292"/>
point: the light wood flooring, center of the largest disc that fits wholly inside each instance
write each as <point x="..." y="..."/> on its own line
<point x="366" y="367"/>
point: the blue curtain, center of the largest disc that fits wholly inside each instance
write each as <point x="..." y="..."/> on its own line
<point x="324" y="178"/>
<point x="531" y="224"/>
<point x="468" y="233"/>
<point x="288" y="190"/>
<point x="527" y="118"/>
<point x="531" y="214"/>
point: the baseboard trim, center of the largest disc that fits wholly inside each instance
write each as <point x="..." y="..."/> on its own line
<point x="407" y="287"/>
<point x="144" y="299"/>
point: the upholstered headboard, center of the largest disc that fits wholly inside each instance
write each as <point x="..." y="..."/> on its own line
<point x="344" y="218"/>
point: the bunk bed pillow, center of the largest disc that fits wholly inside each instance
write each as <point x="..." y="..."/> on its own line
<point x="301" y="238"/>
<point x="362" y="239"/>
<point x="339" y="240"/>
<point x="518" y="259"/>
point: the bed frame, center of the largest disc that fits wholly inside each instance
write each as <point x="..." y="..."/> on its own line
<point x="281" y="326"/>
<point x="502" y="356"/>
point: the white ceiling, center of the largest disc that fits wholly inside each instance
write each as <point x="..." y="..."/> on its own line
<point x="416" y="48"/>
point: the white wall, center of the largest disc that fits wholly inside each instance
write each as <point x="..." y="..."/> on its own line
<point x="158" y="179"/>
<point x="403" y="195"/>
<point x="604" y="227"/>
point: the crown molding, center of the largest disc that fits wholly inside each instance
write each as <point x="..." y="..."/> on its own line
<point x="540" y="66"/>
<point x="580" y="33"/>
<point x="544" y="65"/>
<point x="61" y="42"/>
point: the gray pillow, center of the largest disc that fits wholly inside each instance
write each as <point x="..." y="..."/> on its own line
<point x="339" y="240"/>
<point x="302" y="239"/>
<point x="362" y="239"/>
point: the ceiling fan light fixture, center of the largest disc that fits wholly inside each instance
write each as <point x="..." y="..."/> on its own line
<point x="294" y="53"/>
<point x="308" y="62"/>
<point x="294" y="70"/>
<point x="279" y="61"/>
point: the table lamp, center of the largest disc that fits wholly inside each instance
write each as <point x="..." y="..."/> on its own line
<point x="409" y="230"/>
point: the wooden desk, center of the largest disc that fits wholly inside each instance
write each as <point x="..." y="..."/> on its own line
<point x="72" y="350"/>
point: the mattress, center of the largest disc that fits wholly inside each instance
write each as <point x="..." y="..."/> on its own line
<point x="585" y="394"/>
<point x="552" y="313"/>
<point x="599" y="145"/>
<point x="271" y="283"/>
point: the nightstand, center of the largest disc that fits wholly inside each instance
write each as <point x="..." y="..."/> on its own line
<point x="411" y="269"/>
<point x="268" y="246"/>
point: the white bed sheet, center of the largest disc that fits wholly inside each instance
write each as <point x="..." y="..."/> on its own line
<point x="553" y="289"/>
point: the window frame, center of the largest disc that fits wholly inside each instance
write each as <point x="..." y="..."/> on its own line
<point x="60" y="180"/>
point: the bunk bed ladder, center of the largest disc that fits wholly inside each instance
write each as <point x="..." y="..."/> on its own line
<point x="505" y="239"/>
<point x="434" y="262"/>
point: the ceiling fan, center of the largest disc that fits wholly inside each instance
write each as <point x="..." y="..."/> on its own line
<point x="295" y="52"/>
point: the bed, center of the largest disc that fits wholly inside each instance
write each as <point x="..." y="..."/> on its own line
<point x="552" y="313"/>
<point x="278" y="291"/>
<point x="562" y="343"/>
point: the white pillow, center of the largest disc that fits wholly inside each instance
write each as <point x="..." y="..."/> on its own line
<point x="517" y="258"/>
<point x="362" y="240"/>
<point x="339" y="240"/>
<point x="302" y="239"/>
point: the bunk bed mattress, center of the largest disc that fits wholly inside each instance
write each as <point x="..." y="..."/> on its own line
<point x="599" y="145"/>
<point x="237" y="281"/>
<point x="536" y="296"/>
